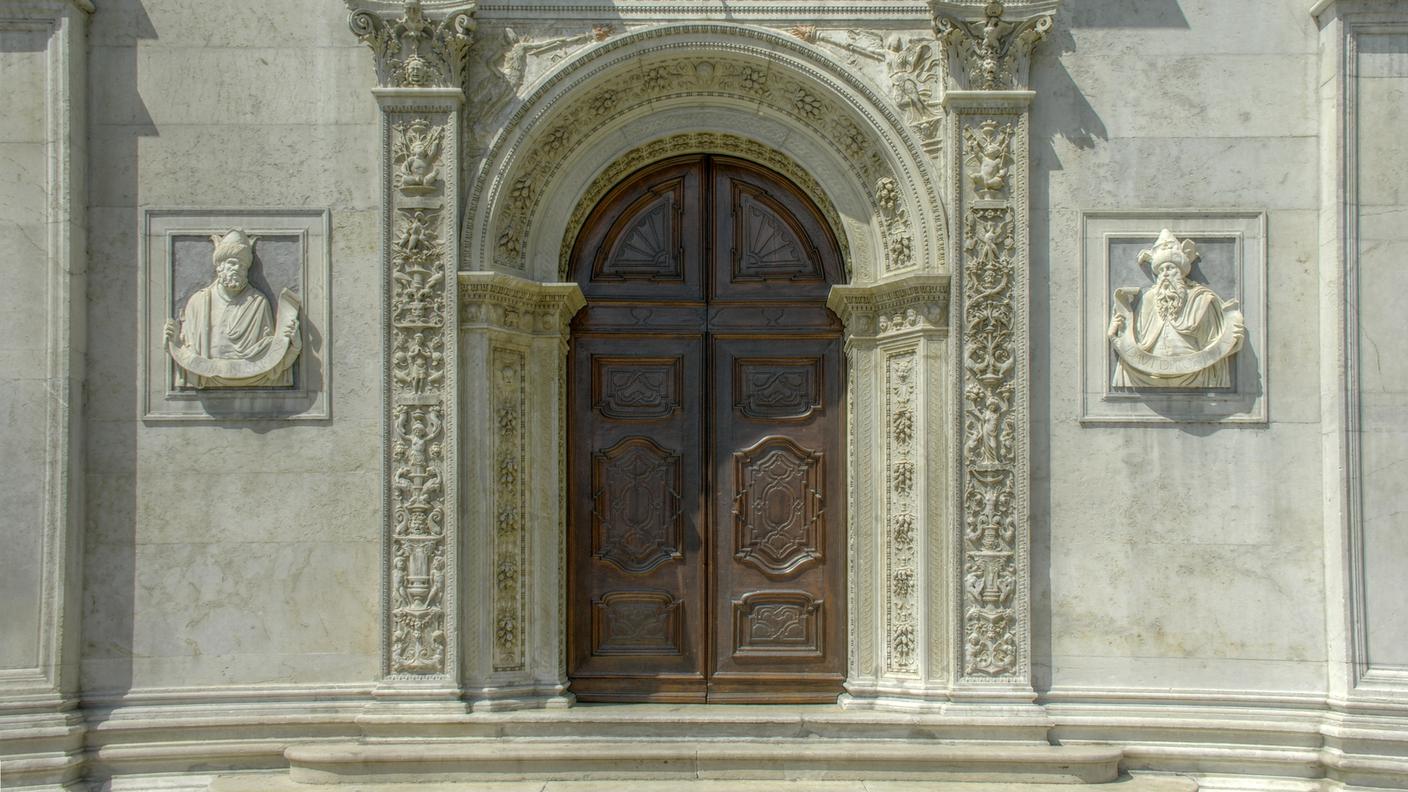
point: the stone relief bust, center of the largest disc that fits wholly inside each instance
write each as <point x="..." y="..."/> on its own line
<point x="227" y="336"/>
<point x="1177" y="333"/>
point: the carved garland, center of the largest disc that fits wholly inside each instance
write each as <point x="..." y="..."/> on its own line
<point x="691" y="143"/>
<point x="510" y="537"/>
<point x="745" y="81"/>
<point x="900" y="508"/>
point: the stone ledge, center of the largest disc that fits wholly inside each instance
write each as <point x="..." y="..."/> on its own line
<point x="688" y="759"/>
<point x="1144" y="783"/>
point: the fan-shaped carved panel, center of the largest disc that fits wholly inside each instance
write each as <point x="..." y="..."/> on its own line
<point x="777" y="622"/>
<point x="644" y="243"/>
<point x="636" y="517"/>
<point x="633" y="388"/>
<point x="778" y="506"/>
<point x="777" y="388"/>
<point x="768" y="240"/>
<point x="637" y="622"/>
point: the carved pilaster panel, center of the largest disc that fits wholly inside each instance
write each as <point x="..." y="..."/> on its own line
<point x="895" y="334"/>
<point x="513" y="335"/>
<point x="990" y="316"/>
<point x="420" y="251"/>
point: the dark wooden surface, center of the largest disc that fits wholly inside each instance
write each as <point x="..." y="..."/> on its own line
<point x="706" y="547"/>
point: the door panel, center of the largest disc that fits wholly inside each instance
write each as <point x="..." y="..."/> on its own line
<point x="778" y="496"/>
<point x="706" y="547"/>
<point x="636" y="575"/>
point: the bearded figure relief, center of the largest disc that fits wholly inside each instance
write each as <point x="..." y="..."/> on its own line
<point x="1177" y="333"/>
<point x="227" y="336"/>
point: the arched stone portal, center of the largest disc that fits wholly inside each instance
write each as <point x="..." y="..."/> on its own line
<point x="732" y="90"/>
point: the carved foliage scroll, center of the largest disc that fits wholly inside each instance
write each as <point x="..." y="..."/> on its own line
<point x="420" y="425"/>
<point x="991" y="408"/>
<point x="637" y="622"/>
<point x="777" y="622"/>
<point x="990" y="54"/>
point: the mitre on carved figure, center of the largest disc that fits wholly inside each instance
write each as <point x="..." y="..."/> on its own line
<point x="226" y="336"/>
<point x="1177" y="333"/>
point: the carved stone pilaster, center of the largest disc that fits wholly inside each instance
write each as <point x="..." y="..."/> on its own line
<point x="988" y="133"/>
<point x="896" y="337"/>
<point x="513" y="345"/>
<point x="419" y="51"/>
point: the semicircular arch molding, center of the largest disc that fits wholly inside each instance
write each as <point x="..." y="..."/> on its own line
<point x="734" y="85"/>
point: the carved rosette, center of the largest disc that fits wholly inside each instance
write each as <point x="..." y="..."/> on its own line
<point x="895" y="334"/>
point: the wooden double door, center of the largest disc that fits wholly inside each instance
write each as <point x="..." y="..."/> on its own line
<point x="706" y="546"/>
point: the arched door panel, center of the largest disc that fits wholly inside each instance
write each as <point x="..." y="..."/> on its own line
<point x="706" y="475"/>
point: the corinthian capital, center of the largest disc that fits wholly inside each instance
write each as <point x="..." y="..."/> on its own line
<point x="991" y="52"/>
<point x="416" y="44"/>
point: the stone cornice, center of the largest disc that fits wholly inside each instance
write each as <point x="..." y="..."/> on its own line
<point x="416" y="43"/>
<point x="516" y="304"/>
<point x="916" y="302"/>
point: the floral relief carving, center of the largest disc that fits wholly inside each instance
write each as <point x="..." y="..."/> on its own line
<point x="992" y="53"/>
<point x="510" y="401"/>
<point x="989" y="441"/>
<point x="418" y="560"/>
<point x="901" y="505"/>
<point x="748" y="81"/>
<point x="416" y="51"/>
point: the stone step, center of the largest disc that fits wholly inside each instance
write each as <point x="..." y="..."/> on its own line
<point x="461" y="760"/>
<point x="268" y="783"/>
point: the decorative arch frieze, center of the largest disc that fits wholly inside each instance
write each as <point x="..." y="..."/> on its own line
<point x="733" y="66"/>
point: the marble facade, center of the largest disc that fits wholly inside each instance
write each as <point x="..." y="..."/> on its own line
<point x="1202" y="579"/>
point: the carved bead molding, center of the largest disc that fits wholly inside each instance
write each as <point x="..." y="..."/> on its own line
<point x="696" y="143"/>
<point x="514" y="340"/>
<point x="988" y="127"/>
<point x="416" y="44"/>
<point x="895" y="336"/>
<point x="992" y="52"/>
<point x="779" y="75"/>
<point x="419" y="50"/>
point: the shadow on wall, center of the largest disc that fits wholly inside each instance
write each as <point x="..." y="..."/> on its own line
<point x="1061" y="110"/>
<point x="118" y="120"/>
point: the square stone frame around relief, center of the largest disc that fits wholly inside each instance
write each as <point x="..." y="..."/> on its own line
<point x="1245" y="402"/>
<point x="310" y="398"/>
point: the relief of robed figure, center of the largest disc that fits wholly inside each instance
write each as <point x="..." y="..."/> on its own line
<point x="227" y="336"/>
<point x="1176" y="333"/>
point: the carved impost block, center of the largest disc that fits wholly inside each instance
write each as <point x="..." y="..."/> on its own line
<point x="991" y="52"/>
<point x="504" y="302"/>
<point x="917" y="303"/>
<point x="418" y="44"/>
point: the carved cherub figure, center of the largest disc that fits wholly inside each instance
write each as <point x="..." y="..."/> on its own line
<point x="416" y="152"/>
<point x="989" y="151"/>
